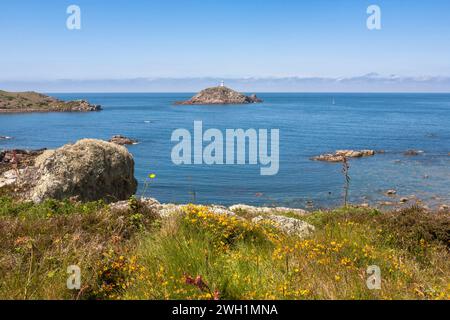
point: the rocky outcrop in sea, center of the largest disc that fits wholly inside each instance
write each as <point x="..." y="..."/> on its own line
<point x="220" y="95"/>
<point x="340" y="155"/>
<point x="122" y="140"/>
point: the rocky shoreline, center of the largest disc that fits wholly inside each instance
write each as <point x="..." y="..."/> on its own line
<point x="94" y="169"/>
<point x="27" y="102"/>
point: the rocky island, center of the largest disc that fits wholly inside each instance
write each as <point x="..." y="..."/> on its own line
<point x="18" y="102"/>
<point x="220" y="95"/>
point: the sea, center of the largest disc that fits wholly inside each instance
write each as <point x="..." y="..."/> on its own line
<point x="309" y="124"/>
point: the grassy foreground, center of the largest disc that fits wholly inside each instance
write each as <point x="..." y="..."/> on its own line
<point x="199" y="255"/>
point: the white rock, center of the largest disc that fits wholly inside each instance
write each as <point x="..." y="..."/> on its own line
<point x="290" y="226"/>
<point x="267" y="210"/>
<point x="9" y="177"/>
<point x="148" y="204"/>
<point x="169" y="209"/>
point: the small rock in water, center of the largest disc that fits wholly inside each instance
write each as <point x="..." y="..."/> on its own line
<point x="122" y="140"/>
<point x="391" y="192"/>
<point x="444" y="207"/>
<point x="404" y="200"/>
<point x="411" y="153"/>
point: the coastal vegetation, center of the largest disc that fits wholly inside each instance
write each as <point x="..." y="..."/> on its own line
<point x="74" y="208"/>
<point x="196" y="253"/>
<point x="18" y="102"/>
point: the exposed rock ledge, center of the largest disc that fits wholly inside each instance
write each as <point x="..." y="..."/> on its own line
<point x="288" y="225"/>
<point x="340" y="155"/>
<point x="267" y="210"/>
<point x="220" y="95"/>
<point x="18" y="102"/>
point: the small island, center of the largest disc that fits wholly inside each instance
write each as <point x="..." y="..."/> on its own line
<point x="19" y="102"/>
<point x="220" y="95"/>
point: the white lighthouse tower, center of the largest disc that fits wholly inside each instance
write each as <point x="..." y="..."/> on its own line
<point x="222" y="83"/>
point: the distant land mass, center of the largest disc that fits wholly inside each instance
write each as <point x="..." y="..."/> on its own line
<point x="220" y="95"/>
<point x="18" y="102"/>
<point x="371" y="82"/>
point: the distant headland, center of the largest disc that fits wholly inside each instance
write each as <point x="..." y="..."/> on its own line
<point x="20" y="102"/>
<point x="220" y="95"/>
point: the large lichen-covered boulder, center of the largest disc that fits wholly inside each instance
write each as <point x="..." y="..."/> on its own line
<point x="86" y="171"/>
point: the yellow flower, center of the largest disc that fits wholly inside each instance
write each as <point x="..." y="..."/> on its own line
<point x="152" y="176"/>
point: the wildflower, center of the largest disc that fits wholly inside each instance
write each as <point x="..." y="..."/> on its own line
<point x="345" y="261"/>
<point x="216" y="295"/>
<point x="189" y="280"/>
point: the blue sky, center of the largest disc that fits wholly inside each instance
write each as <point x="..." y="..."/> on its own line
<point x="229" y="38"/>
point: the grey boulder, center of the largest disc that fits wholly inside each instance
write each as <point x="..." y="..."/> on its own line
<point x="88" y="170"/>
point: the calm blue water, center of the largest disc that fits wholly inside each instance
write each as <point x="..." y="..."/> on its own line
<point x="309" y="125"/>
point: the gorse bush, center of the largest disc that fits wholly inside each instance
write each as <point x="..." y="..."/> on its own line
<point x="226" y="231"/>
<point x="116" y="273"/>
